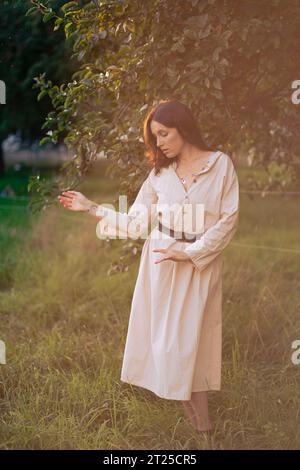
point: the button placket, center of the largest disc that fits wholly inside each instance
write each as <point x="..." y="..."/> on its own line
<point x="205" y="169"/>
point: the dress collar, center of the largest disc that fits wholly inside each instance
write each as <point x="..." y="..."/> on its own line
<point x="213" y="157"/>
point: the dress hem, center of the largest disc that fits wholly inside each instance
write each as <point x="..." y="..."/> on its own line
<point x="215" y="387"/>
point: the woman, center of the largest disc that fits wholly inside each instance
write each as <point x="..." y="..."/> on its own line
<point x="173" y="345"/>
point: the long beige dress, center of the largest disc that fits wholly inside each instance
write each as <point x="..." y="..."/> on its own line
<point x="174" y="339"/>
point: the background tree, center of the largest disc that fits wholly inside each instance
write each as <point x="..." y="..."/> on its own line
<point x="232" y="62"/>
<point x="28" y="47"/>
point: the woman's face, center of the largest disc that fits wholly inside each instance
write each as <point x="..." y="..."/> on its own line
<point x="168" y="139"/>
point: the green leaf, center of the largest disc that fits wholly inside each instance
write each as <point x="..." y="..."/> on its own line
<point x="30" y="11"/>
<point x="48" y="16"/>
<point x="44" y="140"/>
<point x="58" y="23"/>
<point x="68" y="5"/>
<point x="42" y="94"/>
<point x="67" y="27"/>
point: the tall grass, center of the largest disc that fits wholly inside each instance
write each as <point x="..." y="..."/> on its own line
<point x="64" y="322"/>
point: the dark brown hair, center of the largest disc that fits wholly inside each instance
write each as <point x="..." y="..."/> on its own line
<point x="170" y="113"/>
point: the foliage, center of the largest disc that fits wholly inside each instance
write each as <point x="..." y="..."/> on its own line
<point x="232" y="62"/>
<point x="28" y="48"/>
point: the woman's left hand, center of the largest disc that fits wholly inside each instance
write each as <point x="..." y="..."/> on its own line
<point x="171" y="254"/>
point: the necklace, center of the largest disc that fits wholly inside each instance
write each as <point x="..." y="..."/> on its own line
<point x="195" y="175"/>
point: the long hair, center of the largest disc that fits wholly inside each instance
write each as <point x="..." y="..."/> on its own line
<point x="170" y="113"/>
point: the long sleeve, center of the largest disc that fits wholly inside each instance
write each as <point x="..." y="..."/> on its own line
<point x="218" y="236"/>
<point x="134" y="224"/>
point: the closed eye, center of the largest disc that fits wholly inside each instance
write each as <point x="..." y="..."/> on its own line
<point x="163" y="135"/>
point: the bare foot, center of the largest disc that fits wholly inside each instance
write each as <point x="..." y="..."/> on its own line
<point x="199" y="424"/>
<point x="202" y="428"/>
<point x="189" y="411"/>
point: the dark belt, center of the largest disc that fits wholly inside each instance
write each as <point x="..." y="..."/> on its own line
<point x="179" y="235"/>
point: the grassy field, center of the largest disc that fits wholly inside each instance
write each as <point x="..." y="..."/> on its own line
<point x="64" y="322"/>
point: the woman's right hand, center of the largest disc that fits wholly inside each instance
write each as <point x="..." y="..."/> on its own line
<point x="74" y="201"/>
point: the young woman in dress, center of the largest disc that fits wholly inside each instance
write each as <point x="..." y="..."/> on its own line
<point x="174" y="339"/>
